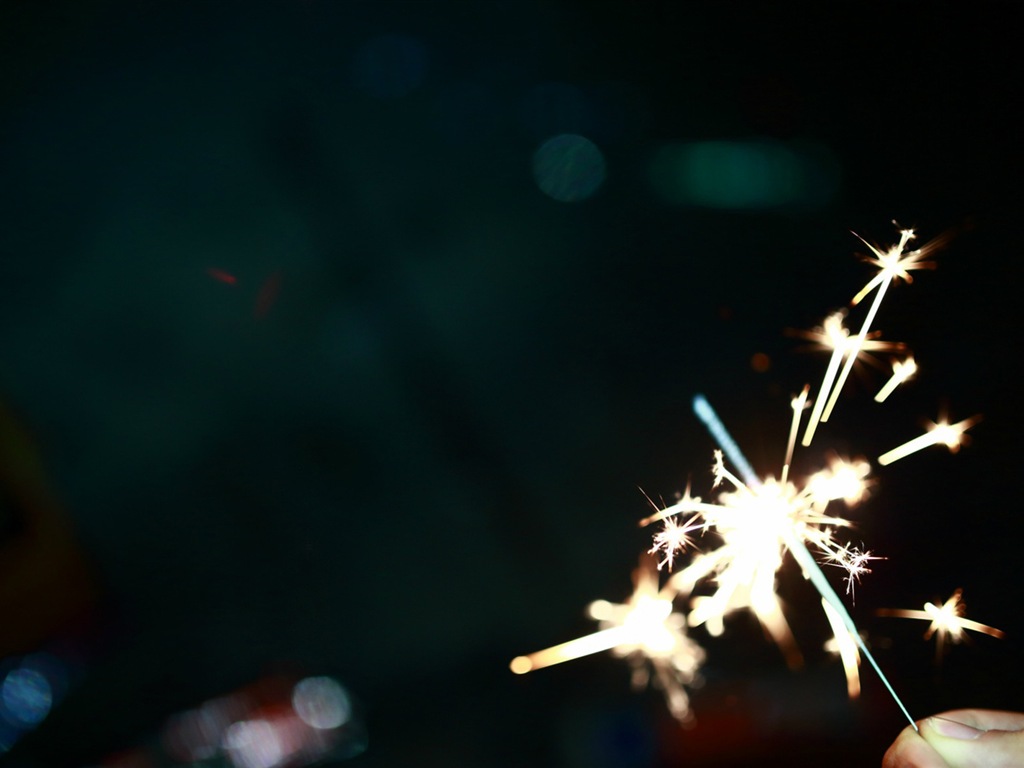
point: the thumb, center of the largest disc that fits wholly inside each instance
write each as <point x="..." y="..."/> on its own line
<point x="970" y="742"/>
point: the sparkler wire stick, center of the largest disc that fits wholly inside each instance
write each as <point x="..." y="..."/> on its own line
<point x="703" y="410"/>
<point x="812" y="571"/>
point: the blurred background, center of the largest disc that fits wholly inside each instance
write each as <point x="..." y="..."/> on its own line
<point x="338" y="338"/>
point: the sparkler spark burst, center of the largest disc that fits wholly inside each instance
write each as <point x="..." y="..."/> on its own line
<point x="757" y="522"/>
<point x="947" y="621"/>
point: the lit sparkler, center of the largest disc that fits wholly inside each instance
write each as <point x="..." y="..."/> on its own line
<point x="947" y="621"/>
<point x="758" y="522"/>
<point x="646" y="630"/>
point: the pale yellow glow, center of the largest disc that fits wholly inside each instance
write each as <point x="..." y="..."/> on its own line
<point x="950" y="435"/>
<point x="846" y="480"/>
<point x="601" y="610"/>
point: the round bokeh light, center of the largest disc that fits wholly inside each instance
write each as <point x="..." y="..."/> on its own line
<point x="568" y="168"/>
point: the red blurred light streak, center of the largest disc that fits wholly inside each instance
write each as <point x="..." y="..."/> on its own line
<point x="222" y="276"/>
<point x="267" y="296"/>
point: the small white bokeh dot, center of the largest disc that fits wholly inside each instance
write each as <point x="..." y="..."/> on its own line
<point x="321" y="703"/>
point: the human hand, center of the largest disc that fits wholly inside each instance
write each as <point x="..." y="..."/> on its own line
<point x="962" y="738"/>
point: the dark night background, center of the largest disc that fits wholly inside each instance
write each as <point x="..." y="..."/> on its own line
<point x="329" y="368"/>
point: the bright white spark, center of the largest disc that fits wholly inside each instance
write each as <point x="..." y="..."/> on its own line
<point x="950" y="435"/>
<point x="854" y="562"/>
<point x="846" y="480"/>
<point x="893" y="264"/>
<point x="646" y="631"/>
<point x="672" y="538"/>
<point x="947" y="621"/>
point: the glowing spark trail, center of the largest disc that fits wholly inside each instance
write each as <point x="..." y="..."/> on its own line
<point x="947" y="621"/>
<point x="222" y="276"/>
<point x="950" y="435"/>
<point x="901" y="371"/>
<point x="832" y="334"/>
<point x="799" y="403"/>
<point x="646" y="630"/>
<point x="893" y="265"/>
